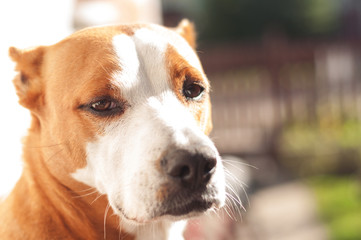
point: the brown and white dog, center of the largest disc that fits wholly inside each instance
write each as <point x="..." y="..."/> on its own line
<point x="118" y="146"/>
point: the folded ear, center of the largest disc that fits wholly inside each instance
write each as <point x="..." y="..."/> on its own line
<point x="186" y="29"/>
<point x="28" y="81"/>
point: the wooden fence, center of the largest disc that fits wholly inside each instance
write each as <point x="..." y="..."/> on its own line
<point x="259" y="89"/>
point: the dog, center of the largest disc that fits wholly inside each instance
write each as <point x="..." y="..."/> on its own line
<point x="118" y="146"/>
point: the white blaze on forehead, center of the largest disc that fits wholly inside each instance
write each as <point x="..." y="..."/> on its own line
<point x="126" y="52"/>
<point x="142" y="65"/>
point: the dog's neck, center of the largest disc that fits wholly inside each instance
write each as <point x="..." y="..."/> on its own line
<point x="45" y="205"/>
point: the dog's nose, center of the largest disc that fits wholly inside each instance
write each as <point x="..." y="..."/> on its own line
<point x="191" y="170"/>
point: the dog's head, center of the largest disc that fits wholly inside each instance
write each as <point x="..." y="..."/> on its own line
<point x="127" y="111"/>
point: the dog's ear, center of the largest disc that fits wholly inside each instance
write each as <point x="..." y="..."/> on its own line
<point x="28" y="81"/>
<point x="186" y="29"/>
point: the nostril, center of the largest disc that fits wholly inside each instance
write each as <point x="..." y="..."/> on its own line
<point x="180" y="171"/>
<point x="209" y="167"/>
<point x="184" y="172"/>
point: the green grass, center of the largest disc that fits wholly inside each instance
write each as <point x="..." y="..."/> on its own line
<point x="339" y="204"/>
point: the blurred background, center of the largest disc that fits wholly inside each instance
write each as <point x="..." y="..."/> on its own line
<point x="286" y="80"/>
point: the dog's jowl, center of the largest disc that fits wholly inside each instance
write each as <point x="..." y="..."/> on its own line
<point x="118" y="145"/>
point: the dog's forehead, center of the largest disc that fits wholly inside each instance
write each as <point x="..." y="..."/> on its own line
<point x="137" y="61"/>
<point x="145" y="59"/>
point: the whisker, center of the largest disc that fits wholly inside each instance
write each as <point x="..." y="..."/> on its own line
<point x="245" y="193"/>
<point x="87" y="194"/>
<point x="225" y="209"/>
<point x="234" y="178"/>
<point x="236" y="205"/>
<point x="46" y="146"/>
<point x="233" y="162"/>
<point x="234" y="166"/>
<point x="216" y="213"/>
<point x="232" y="207"/>
<point x="240" y="184"/>
<point x="96" y="199"/>
<point x="56" y="153"/>
<point x="120" y="236"/>
<point x="105" y="220"/>
<point x="119" y="232"/>
<point x="84" y="190"/>
<point x="234" y="195"/>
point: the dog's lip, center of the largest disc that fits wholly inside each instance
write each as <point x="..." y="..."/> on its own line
<point x="182" y="207"/>
<point x="189" y="203"/>
<point x="194" y="206"/>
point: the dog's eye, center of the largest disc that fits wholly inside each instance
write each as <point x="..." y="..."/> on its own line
<point x="192" y="90"/>
<point x="103" y="105"/>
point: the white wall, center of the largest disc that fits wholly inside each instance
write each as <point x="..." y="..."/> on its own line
<point x="23" y="23"/>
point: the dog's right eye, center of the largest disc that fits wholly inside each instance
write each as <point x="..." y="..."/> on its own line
<point x="103" y="105"/>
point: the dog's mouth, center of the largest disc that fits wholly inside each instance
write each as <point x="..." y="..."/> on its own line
<point x="185" y="205"/>
<point x="190" y="209"/>
<point x="193" y="207"/>
<point x="176" y="208"/>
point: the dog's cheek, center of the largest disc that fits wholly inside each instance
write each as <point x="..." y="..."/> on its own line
<point x="101" y="166"/>
<point x="114" y="167"/>
<point x="89" y="174"/>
